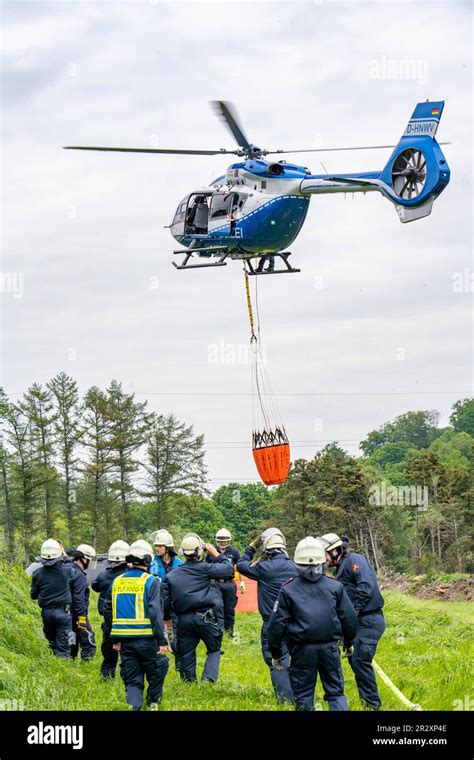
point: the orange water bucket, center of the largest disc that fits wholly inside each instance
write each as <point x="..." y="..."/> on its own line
<point x="273" y="463"/>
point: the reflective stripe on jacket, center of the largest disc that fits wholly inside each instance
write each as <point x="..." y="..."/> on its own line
<point x="130" y="615"/>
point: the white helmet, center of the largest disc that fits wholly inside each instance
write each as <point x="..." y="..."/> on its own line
<point x="50" y="549"/>
<point x="190" y="543"/>
<point x="164" y="538"/>
<point x="118" y="551"/>
<point x="275" y="540"/>
<point x="310" y="551"/>
<point x="268" y="532"/>
<point x="87" y="550"/>
<point x="330" y="541"/>
<point x="141" y="550"/>
<point x="223" y="535"/>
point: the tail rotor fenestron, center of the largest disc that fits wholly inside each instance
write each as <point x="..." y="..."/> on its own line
<point x="409" y="174"/>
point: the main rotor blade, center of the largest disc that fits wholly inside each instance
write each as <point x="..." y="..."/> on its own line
<point x="227" y="113"/>
<point x="153" y="150"/>
<point x="323" y="150"/>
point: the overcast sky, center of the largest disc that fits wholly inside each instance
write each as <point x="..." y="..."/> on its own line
<point x="374" y="325"/>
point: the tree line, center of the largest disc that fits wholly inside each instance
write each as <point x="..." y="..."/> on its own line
<point x="103" y="466"/>
<point x="72" y="467"/>
<point x="406" y="502"/>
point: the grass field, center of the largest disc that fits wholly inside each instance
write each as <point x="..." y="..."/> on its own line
<point x="426" y="650"/>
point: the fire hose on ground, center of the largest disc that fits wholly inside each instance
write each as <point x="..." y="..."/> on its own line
<point x="394" y="689"/>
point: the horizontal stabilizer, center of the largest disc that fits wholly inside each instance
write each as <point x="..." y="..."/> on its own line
<point x="351" y="180"/>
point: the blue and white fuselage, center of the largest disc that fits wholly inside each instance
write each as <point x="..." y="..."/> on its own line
<point x="259" y="207"/>
<point x="252" y="210"/>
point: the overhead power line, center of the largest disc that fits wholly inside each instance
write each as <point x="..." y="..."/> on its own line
<point x="213" y="394"/>
<point x="319" y="393"/>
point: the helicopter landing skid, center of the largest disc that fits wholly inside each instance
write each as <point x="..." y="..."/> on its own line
<point x="189" y="253"/>
<point x="284" y="256"/>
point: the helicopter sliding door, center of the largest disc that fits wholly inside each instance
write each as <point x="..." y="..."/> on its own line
<point x="227" y="206"/>
<point x="197" y="215"/>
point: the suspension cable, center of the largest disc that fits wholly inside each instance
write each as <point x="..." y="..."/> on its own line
<point x="253" y="337"/>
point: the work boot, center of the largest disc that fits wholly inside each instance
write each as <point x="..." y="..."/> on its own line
<point x="368" y="706"/>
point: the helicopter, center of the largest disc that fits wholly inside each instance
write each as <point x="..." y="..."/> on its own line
<point x="257" y="208"/>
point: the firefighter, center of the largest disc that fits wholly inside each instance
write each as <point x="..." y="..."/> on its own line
<point x="51" y="586"/>
<point x="359" y="579"/>
<point x="189" y="593"/>
<point x="132" y="609"/>
<point x="83" y="634"/>
<point x="117" y="565"/>
<point x="313" y="612"/>
<point x="164" y="561"/>
<point x="227" y="588"/>
<point x="165" y="558"/>
<point x="273" y="568"/>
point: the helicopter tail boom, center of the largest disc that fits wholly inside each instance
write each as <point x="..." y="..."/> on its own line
<point x="414" y="175"/>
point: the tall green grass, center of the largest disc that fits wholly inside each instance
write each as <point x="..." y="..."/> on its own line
<point x="426" y="651"/>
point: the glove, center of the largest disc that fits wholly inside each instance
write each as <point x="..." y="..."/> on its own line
<point x="277" y="663"/>
<point x="256" y="543"/>
<point x="81" y="624"/>
<point x="242" y="587"/>
<point x="347" y="651"/>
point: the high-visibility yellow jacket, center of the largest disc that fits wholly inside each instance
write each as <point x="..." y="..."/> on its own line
<point x="136" y="609"/>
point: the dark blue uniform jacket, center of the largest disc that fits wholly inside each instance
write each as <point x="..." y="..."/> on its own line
<point x="189" y="588"/>
<point x="270" y="572"/>
<point x="80" y="591"/>
<point x="51" y="583"/>
<point x="315" y="611"/>
<point x="358" y="577"/>
<point x="229" y="552"/>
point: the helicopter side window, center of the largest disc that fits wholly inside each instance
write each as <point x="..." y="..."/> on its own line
<point x="221" y="205"/>
<point x="242" y="197"/>
<point x="180" y="211"/>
